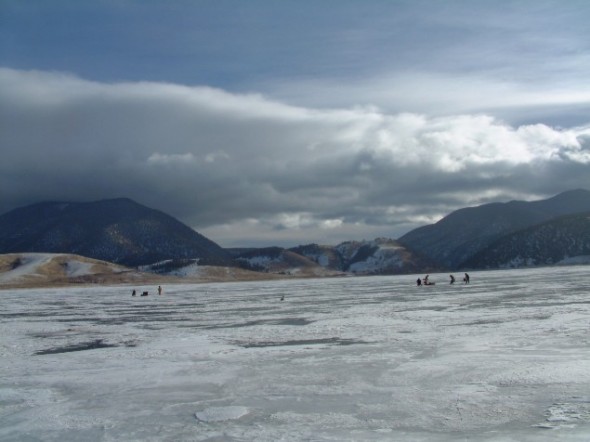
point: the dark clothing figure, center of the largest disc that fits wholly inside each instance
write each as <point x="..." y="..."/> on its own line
<point x="159" y="290"/>
<point x="418" y="282"/>
<point x="144" y="294"/>
<point x="133" y="293"/>
<point x="452" y="279"/>
<point x="466" y="278"/>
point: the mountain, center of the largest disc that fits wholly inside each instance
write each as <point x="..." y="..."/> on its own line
<point x="560" y="241"/>
<point x="325" y="256"/>
<point x="121" y="231"/>
<point x="458" y="237"/>
<point x="281" y="261"/>
<point x="124" y="232"/>
<point x="383" y="256"/>
<point x="116" y="230"/>
<point x="380" y="256"/>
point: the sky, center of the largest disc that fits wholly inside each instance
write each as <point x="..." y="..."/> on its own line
<point x="282" y="123"/>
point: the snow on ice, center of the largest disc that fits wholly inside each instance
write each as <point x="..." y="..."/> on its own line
<point x="505" y="358"/>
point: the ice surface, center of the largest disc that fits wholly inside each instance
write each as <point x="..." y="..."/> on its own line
<point x="505" y="358"/>
<point x="218" y="414"/>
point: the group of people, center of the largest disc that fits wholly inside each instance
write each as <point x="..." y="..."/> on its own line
<point x="134" y="292"/>
<point x="426" y="281"/>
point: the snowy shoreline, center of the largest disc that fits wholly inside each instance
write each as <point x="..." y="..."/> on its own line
<point x="505" y="358"/>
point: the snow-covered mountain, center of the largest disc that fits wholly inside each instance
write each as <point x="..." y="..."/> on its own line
<point x="282" y="261"/>
<point x="380" y="256"/>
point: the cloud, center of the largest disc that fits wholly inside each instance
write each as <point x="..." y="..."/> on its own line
<point x="245" y="169"/>
<point x="437" y="93"/>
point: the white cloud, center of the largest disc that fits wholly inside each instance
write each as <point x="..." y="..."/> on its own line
<point x="158" y="159"/>
<point x="217" y="159"/>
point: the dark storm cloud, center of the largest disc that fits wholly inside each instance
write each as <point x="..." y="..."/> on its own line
<point x="218" y="160"/>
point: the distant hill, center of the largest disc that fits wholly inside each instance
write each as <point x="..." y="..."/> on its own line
<point x="328" y="257"/>
<point x="280" y="261"/>
<point x="457" y="238"/>
<point x="42" y="269"/>
<point x="382" y="256"/>
<point x="26" y="270"/>
<point x="564" y="240"/>
<point x="116" y="230"/>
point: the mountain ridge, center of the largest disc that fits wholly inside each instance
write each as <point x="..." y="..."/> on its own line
<point x="117" y="230"/>
<point x="122" y="231"/>
<point x="458" y="236"/>
<point x="553" y="242"/>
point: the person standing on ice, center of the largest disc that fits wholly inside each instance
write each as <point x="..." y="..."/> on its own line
<point x="466" y="279"/>
<point x="452" y="279"/>
<point x="418" y="282"/>
<point x="159" y="290"/>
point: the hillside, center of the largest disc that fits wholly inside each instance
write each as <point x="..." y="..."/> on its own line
<point x="42" y="269"/>
<point x="564" y="240"/>
<point x="381" y="256"/>
<point x="282" y="261"/>
<point x="117" y="230"/>
<point x="456" y="238"/>
<point x="26" y="270"/>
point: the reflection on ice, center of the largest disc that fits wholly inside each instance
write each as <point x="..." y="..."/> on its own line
<point x="505" y="358"/>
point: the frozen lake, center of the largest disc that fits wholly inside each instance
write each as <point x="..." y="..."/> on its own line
<point x="505" y="358"/>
